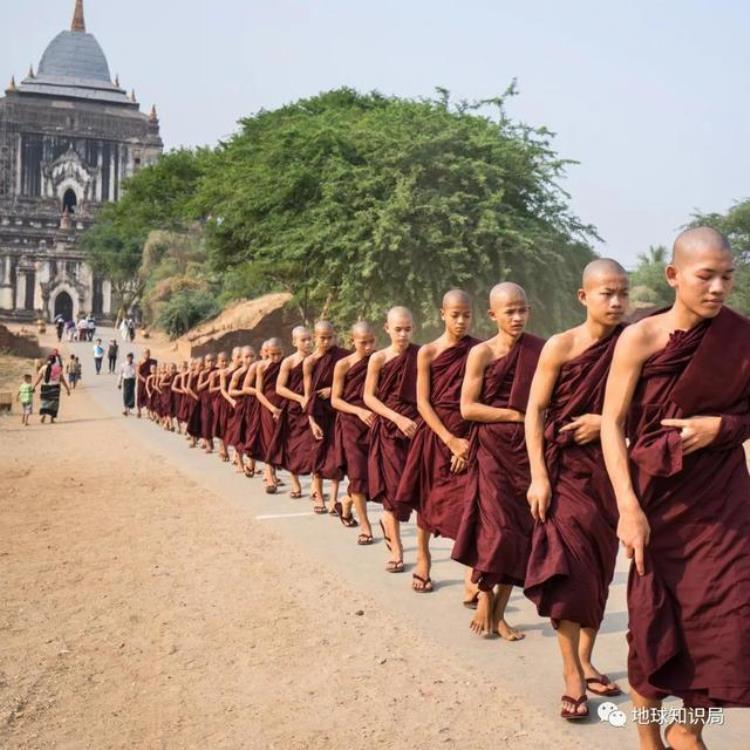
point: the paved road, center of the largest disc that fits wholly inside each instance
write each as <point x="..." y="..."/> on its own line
<point x="530" y="667"/>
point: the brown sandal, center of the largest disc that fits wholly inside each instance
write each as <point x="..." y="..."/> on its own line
<point x="603" y="680"/>
<point x="395" y="566"/>
<point x="426" y="587"/>
<point x="364" y="540"/>
<point x="386" y="538"/>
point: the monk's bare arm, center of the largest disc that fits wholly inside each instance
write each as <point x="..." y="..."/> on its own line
<point x="283" y="379"/>
<point x="176" y="384"/>
<point x="472" y="407"/>
<point x="307" y="370"/>
<point x="235" y="389"/>
<point x="542" y="385"/>
<point x="248" y="384"/>
<point x="631" y="351"/>
<point x="337" y="387"/>
<point x="259" y="377"/>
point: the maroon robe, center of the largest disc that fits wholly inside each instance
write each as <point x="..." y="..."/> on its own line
<point x="397" y="389"/>
<point x="207" y="411"/>
<point x="143" y="370"/>
<point x="427" y="484"/>
<point x="222" y="411"/>
<point x="324" y="454"/>
<point x="689" y="615"/>
<point x="292" y="445"/>
<point x="193" y="410"/>
<point x="167" y="397"/>
<point x="266" y="422"/>
<point x="495" y="533"/>
<point x="573" y="552"/>
<point x="352" y="442"/>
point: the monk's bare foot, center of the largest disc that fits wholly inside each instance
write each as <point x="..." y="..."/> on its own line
<point x="575" y="688"/>
<point x="471" y="594"/>
<point x="508" y="633"/>
<point x="684" y="737"/>
<point x="421" y="581"/>
<point x="481" y="623"/>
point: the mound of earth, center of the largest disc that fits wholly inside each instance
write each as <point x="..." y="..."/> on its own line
<point x="249" y="321"/>
<point x="18" y="344"/>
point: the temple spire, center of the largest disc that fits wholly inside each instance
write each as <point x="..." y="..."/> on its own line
<point x="79" y="23"/>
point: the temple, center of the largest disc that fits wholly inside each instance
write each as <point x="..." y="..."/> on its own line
<point x="69" y="136"/>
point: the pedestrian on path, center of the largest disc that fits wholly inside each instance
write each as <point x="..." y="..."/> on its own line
<point x="126" y="382"/>
<point x="112" y="355"/>
<point x="51" y="378"/>
<point x="98" y="356"/>
<point x="26" y="399"/>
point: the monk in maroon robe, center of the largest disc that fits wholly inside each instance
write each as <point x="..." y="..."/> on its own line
<point x="269" y="409"/>
<point x="178" y="397"/>
<point x="318" y="378"/>
<point x="391" y="394"/>
<point x="434" y="478"/>
<point x="142" y="372"/>
<point x="353" y="422"/>
<point x="292" y="445"/>
<point x="241" y="391"/>
<point x="193" y="411"/>
<point x="680" y="385"/>
<point x="219" y="404"/>
<point x="207" y="418"/>
<point x="494" y="537"/>
<point x="168" y="397"/>
<point x="574" y="546"/>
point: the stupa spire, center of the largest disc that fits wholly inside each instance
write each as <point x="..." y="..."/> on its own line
<point x="79" y="22"/>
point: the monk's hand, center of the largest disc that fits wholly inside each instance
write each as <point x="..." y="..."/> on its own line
<point x="458" y="465"/>
<point x="303" y="403"/>
<point x="407" y="426"/>
<point x="538" y="496"/>
<point x="276" y="413"/>
<point x="233" y="402"/>
<point x="316" y="430"/>
<point x="324" y="393"/>
<point x="696" y="432"/>
<point x="459" y="447"/>
<point x="634" y="533"/>
<point x="585" y="428"/>
<point x="366" y="416"/>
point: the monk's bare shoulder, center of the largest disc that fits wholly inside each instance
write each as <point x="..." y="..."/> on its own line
<point x="642" y="339"/>
<point x="428" y="352"/>
<point x="559" y="348"/>
<point x="343" y="365"/>
<point x="480" y="355"/>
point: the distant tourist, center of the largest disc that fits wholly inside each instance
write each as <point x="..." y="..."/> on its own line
<point x="59" y="326"/>
<point x="70" y="329"/>
<point x="98" y="356"/>
<point x="91" y="327"/>
<point x="82" y="329"/>
<point x="131" y="330"/>
<point x="126" y="381"/>
<point x="73" y="369"/>
<point x="112" y="351"/>
<point x="26" y="399"/>
<point x="124" y="329"/>
<point x="51" y="377"/>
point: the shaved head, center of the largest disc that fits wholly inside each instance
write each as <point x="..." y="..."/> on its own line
<point x="323" y="326"/>
<point x="601" y="267"/>
<point x="399" y="312"/>
<point x="298" y="331"/>
<point x="507" y="291"/>
<point x="362" y="328"/>
<point x="700" y="239"/>
<point x="236" y="350"/>
<point x="274" y="343"/>
<point x="247" y="349"/>
<point x="456" y="297"/>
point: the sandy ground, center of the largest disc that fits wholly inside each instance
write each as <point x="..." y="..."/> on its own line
<point x="153" y="599"/>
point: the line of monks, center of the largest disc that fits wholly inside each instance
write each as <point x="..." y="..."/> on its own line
<point x="535" y="458"/>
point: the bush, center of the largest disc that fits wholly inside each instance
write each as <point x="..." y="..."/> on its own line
<point x="186" y="309"/>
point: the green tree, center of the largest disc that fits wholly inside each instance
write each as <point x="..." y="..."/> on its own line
<point x="355" y="202"/>
<point x="648" y="282"/>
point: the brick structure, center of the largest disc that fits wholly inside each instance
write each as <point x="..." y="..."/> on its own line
<point x="69" y="136"/>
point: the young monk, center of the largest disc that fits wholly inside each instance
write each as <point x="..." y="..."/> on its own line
<point x="142" y="372"/>
<point x="292" y="444"/>
<point x="223" y="408"/>
<point x="318" y="377"/>
<point x="270" y="408"/>
<point x="202" y="389"/>
<point x="217" y="413"/>
<point x="178" y="391"/>
<point x="434" y="478"/>
<point x="167" y="396"/>
<point x="193" y="411"/>
<point x="152" y="391"/>
<point x="680" y="382"/>
<point x="239" y="394"/>
<point x="574" y="547"/>
<point x="391" y="394"/>
<point x="495" y="533"/>
<point x="353" y="423"/>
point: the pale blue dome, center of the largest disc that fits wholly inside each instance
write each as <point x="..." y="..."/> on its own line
<point x="75" y="54"/>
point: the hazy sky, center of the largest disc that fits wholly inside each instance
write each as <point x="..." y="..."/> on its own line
<point x="650" y="96"/>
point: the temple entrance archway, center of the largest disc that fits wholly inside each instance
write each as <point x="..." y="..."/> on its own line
<point x="70" y="201"/>
<point x="63" y="306"/>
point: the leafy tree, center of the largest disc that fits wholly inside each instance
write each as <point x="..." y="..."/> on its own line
<point x="355" y="202"/>
<point x="648" y="282"/>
